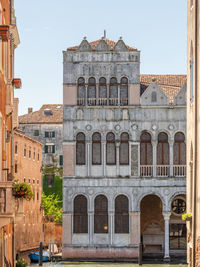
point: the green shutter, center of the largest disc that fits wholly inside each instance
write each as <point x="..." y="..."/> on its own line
<point x="46" y="149"/>
<point x="46" y="134"/>
<point x="61" y="160"/>
<point x="53" y="149"/>
<point x="53" y="134"/>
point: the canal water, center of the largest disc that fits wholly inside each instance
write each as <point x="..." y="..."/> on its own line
<point x="93" y="264"/>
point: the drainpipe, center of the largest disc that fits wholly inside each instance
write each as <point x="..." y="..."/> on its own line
<point x="195" y="156"/>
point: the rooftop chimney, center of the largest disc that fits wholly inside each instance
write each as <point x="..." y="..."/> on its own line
<point x="30" y="110"/>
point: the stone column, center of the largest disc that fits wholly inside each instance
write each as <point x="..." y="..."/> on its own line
<point x="88" y="158"/>
<point x="171" y="158"/>
<point x="134" y="159"/>
<point x="91" y="226"/>
<point x="104" y="158"/>
<point x="166" y="216"/>
<point x="117" y="158"/>
<point x="134" y="219"/>
<point x="154" y="145"/>
<point x="111" y="227"/>
<point x="67" y="229"/>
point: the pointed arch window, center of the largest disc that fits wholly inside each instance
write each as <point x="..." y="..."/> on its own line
<point x="80" y="215"/>
<point x="91" y="91"/>
<point x="101" y="214"/>
<point x="81" y="92"/>
<point x="124" y="91"/>
<point x="124" y="149"/>
<point x="110" y="149"/>
<point x="113" y="92"/>
<point x="96" y="149"/>
<point x="121" y="214"/>
<point x="102" y="91"/>
<point x="146" y="156"/>
<point x="163" y="155"/>
<point x="80" y="149"/>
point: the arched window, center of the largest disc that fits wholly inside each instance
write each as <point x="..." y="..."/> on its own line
<point x="124" y="91"/>
<point x="110" y="149"/>
<point x="124" y="149"/>
<point x="113" y="92"/>
<point x="121" y="214"/>
<point x="81" y="92"/>
<point x="153" y="97"/>
<point x="92" y="91"/>
<point x="102" y="91"/>
<point x="163" y="149"/>
<point x="179" y="149"/>
<point x="96" y="149"/>
<point x="163" y="155"/>
<point x="146" y="158"/>
<point x="101" y="214"/>
<point x="80" y="149"/>
<point x="80" y="215"/>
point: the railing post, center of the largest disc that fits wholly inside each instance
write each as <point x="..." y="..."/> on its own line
<point x="154" y="144"/>
<point x="40" y="254"/>
<point x="171" y="160"/>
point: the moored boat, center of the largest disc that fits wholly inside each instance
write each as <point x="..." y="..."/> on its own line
<point x="34" y="256"/>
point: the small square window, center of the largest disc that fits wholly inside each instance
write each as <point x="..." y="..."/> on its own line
<point x="29" y="180"/>
<point x="33" y="181"/>
<point x="16" y="148"/>
<point x="29" y="154"/>
<point x="36" y="132"/>
<point x="24" y="152"/>
<point x="15" y="167"/>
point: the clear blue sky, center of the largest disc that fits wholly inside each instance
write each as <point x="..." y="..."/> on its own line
<point x="47" y="27"/>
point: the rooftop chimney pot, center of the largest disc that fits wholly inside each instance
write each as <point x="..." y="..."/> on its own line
<point x="30" y="110"/>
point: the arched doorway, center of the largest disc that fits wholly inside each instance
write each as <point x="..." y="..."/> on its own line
<point x="152" y="225"/>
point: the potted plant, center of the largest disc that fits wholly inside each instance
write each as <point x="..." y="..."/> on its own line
<point x="21" y="263"/>
<point x="187" y="217"/>
<point x="22" y="190"/>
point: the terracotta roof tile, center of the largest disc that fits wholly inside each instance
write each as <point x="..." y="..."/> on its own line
<point x="94" y="44"/>
<point x="171" y="84"/>
<point x="40" y="117"/>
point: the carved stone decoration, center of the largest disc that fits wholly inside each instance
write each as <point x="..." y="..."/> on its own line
<point x="79" y="114"/>
<point x="171" y="127"/>
<point x="166" y="192"/>
<point x="117" y="127"/>
<point x="120" y="46"/>
<point x="134" y="127"/>
<point x="154" y="127"/>
<point x="102" y="46"/>
<point x="125" y="114"/>
<point x="104" y="128"/>
<point x="134" y="160"/>
<point x="85" y="46"/>
<point x="90" y="191"/>
<point x="88" y="127"/>
<point x="135" y="191"/>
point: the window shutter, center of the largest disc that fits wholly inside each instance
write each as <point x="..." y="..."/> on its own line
<point x="61" y="160"/>
<point x="53" y="149"/>
<point x="46" y="134"/>
<point x="45" y="179"/>
<point x="53" y="134"/>
<point x="46" y="149"/>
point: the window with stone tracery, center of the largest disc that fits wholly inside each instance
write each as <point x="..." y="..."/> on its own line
<point x="146" y="157"/>
<point x="81" y="91"/>
<point x="91" y="91"/>
<point x="124" y="91"/>
<point x="80" y="149"/>
<point x="110" y="149"/>
<point x="101" y="214"/>
<point x="80" y="215"/>
<point x="124" y="149"/>
<point x="162" y="149"/>
<point x="113" y="92"/>
<point x="121" y="214"/>
<point x="179" y="149"/>
<point x="96" y="149"/>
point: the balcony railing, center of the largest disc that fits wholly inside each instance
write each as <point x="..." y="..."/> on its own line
<point x="6" y="198"/>
<point x="113" y="101"/>
<point x="162" y="170"/>
<point x="91" y="101"/>
<point x="179" y="170"/>
<point x="102" y="101"/>
<point x="146" y="170"/>
<point x="123" y="101"/>
<point x="81" y="101"/>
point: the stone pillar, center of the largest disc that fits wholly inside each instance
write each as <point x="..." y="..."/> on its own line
<point x="88" y="158"/>
<point x="104" y="158"/>
<point x="91" y="226"/>
<point x="134" y="219"/>
<point x="166" y="216"/>
<point x="111" y="227"/>
<point x="154" y="145"/>
<point x="117" y="158"/>
<point x="134" y="158"/>
<point x="171" y="159"/>
<point x="67" y="229"/>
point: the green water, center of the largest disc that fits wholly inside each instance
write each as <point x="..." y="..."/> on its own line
<point x="93" y="264"/>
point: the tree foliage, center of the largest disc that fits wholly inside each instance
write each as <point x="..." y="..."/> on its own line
<point x="52" y="206"/>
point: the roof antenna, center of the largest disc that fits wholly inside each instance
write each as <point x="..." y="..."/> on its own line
<point x="104" y="36"/>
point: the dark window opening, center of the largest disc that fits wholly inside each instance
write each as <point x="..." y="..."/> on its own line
<point x="80" y="149"/>
<point x="110" y="149"/>
<point x="80" y="215"/>
<point x="124" y="149"/>
<point x="179" y="206"/>
<point x="121" y="214"/>
<point x="124" y="91"/>
<point x="177" y="236"/>
<point x="96" y="149"/>
<point x="36" y="132"/>
<point x="101" y="215"/>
